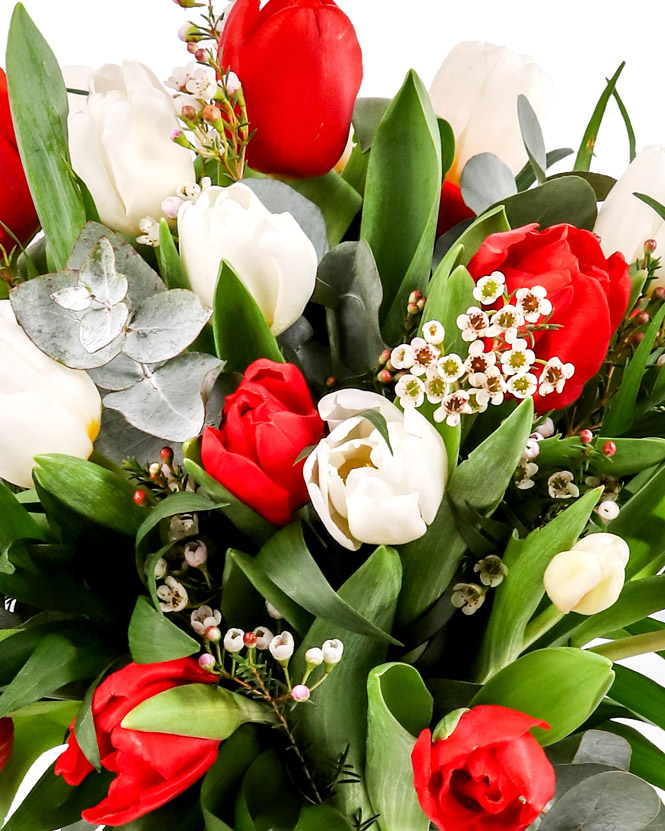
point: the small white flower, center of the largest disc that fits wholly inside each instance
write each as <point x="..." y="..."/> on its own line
<point x="450" y="368"/>
<point x="264" y="637"/>
<point x="523" y="385"/>
<point x="468" y="597"/>
<point x="425" y="356"/>
<point x="281" y="647"/>
<point x="161" y="569"/>
<point x="314" y="657"/>
<point x="436" y="388"/>
<point x="561" y="486"/>
<point x="524" y="474"/>
<point x="173" y="596"/>
<point x="402" y="356"/>
<point x="181" y="75"/>
<point x="196" y="554"/>
<point x="506" y="322"/>
<point x="202" y="83"/>
<point x="532" y="450"/>
<point x="519" y="358"/>
<point x="234" y="640"/>
<point x="478" y="400"/>
<point x="433" y="332"/>
<point x="608" y="510"/>
<point x="203" y="618"/>
<point x="492" y="381"/>
<point x="182" y="101"/>
<point x="149" y="232"/>
<point x="546" y="428"/>
<point x="473" y="324"/>
<point x="183" y="525"/>
<point x="453" y="407"/>
<point x="492" y="570"/>
<point x="274" y="613"/>
<point x="190" y="192"/>
<point x="489" y="289"/>
<point x="661" y="360"/>
<point x="232" y="83"/>
<point x="477" y="359"/>
<point x="554" y="376"/>
<point x="410" y="390"/>
<point x="332" y="652"/>
<point x="171" y="206"/>
<point x="533" y="303"/>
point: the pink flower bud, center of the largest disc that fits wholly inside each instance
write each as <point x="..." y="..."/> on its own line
<point x="586" y="436"/>
<point x="300" y="692"/>
<point x="213" y="634"/>
<point x="206" y="661"/>
<point x="609" y="448"/>
<point x="170" y="207"/>
<point x="250" y="640"/>
<point x="196" y="554"/>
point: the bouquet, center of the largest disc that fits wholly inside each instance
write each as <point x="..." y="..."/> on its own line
<point x="332" y="447"/>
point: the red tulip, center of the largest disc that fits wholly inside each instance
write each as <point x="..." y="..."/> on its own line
<point x="6" y="740"/>
<point x="452" y="208"/>
<point x="16" y="209"/>
<point x="300" y="65"/>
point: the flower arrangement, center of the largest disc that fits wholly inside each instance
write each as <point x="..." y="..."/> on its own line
<point x="338" y="490"/>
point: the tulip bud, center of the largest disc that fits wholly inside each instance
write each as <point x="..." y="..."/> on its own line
<point x="234" y="640"/>
<point x="300" y="693"/>
<point x="274" y="613"/>
<point x="332" y="653"/>
<point x="281" y="648"/>
<point x="313" y="657"/>
<point x="196" y="554"/>
<point x="263" y="637"/>
<point x="206" y="661"/>
<point x="588" y="578"/>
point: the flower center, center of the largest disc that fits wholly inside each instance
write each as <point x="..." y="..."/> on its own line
<point x="361" y="458"/>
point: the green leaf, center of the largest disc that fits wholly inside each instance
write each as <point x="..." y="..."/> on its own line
<point x="38" y="96"/>
<point x="170" y="265"/>
<point x="405" y="170"/>
<point x="95" y="493"/>
<point x="266" y="801"/>
<point x="647" y="760"/>
<point x="629" y="127"/>
<point x="325" y="728"/>
<point x="485" y="181"/>
<point x="286" y="561"/>
<point x="37" y="728"/>
<point x="632" y="455"/>
<point x="465" y="246"/>
<point x="526" y="177"/>
<point x="620" y="412"/>
<point x="448" y="296"/>
<point x="236" y="314"/>
<point x="652" y="203"/>
<point x="521" y="591"/>
<point x="447" y="137"/>
<point x="153" y="638"/>
<point x="17" y="524"/>
<point x="399" y="707"/>
<point x="338" y="201"/>
<point x="367" y="115"/>
<point x="203" y="711"/>
<point x="317" y="817"/>
<point x="560" y="686"/>
<point x="242" y="516"/>
<point x="59" y="658"/>
<point x="585" y="153"/>
<point x="480" y="482"/>
<point x="600" y="183"/>
<point x="532" y="136"/>
<point x="567" y="199"/>
<point x="642" y="695"/>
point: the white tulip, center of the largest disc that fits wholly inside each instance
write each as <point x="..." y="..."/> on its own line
<point x="120" y="143"/>
<point x="361" y="490"/>
<point x="271" y="253"/>
<point x="624" y="222"/>
<point x="476" y="91"/>
<point x="45" y="407"/>
<point x="588" y="578"/>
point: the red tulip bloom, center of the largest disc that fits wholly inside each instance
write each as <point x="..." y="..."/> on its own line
<point x="151" y="768"/>
<point x="452" y="208"/>
<point x="6" y="740"/>
<point x="16" y="209"/>
<point x="300" y="65"/>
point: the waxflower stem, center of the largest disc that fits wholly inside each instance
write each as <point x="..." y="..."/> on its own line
<point x="629" y="647"/>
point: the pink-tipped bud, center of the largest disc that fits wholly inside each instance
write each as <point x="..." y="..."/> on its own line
<point x="140" y="497"/>
<point x="421" y="303"/>
<point x="192" y="48"/>
<point x="384" y="377"/>
<point x="650" y="246"/>
<point x="642" y="318"/>
<point x="586" y="436"/>
<point x="300" y="693"/>
<point x="415" y="296"/>
<point x="188" y="112"/>
<point x="206" y="661"/>
<point x="412" y="309"/>
<point x="250" y="640"/>
<point x="330" y="382"/>
<point x="166" y="455"/>
<point x="155" y="470"/>
<point x="201" y="55"/>
<point x="384" y="357"/>
<point x="170" y="207"/>
<point x="609" y="448"/>
<point x="213" y="634"/>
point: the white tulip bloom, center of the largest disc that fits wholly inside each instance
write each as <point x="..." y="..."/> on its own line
<point x="624" y="222"/>
<point x="120" y="143"/>
<point x="588" y="578"/>
<point x="45" y="407"/>
<point x="361" y="490"/>
<point x="271" y="253"/>
<point x="476" y="91"/>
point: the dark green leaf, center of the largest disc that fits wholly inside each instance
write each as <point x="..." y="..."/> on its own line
<point x="647" y="760"/>
<point x="367" y="115"/>
<point x="600" y="183"/>
<point x="652" y="203"/>
<point x="640" y="694"/>
<point x="632" y="455"/>
<point x="526" y="177"/>
<point x="566" y="199"/>
<point x="318" y="817"/>
<point x="170" y="265"/>
<point x="447" y="137"/>
<point x="627" y="122"/>
<point x="153" y="638"/>
<point x="38" y="97"/>
<point x="266" y="801"/>
<point x="338" y="201"/>
<point x="236" y="314"/>
<point x="585" y="153"/>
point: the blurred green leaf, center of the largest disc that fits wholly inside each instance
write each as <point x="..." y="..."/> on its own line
<point x="338" y="201"/>
<point x="647" y="759"/>
<point x="38" y="97"/>
<point x="405" y="170"/>
<point x="399" y="707"/>
<point x="170" y="265"/>
<point x="561" y="686"/>
<point x="153" y="637"/>
<point x="236" y="314"/>
<point x="585" y="153"/>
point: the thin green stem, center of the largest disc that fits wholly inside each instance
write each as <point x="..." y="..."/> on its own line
<point x="629" y="647"/>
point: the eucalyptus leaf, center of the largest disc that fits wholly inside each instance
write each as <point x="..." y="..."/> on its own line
<point x="169" y="401"/>
<point x="568" y="199"/>
<point x="118" y="441"/>
<point x="532" y="136"/>
<point x="647" y="759"/>
<point x="164" y="325"/>
<point x="101" y="327"/>
<point x="73" y="298"/>
<point x="485" y="181"/>
<point x="98" y="275"/>
<point x="367" y="115"/>
<point x="118" y="374"/>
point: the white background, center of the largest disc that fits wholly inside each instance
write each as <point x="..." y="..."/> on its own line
<point x="577" y="43"/>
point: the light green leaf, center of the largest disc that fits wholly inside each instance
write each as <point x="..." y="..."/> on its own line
<point x="644" y="696"/>
<point x="448" y="296"/>
<point x="367" y="115"/>
<point x="585" y="153"/>
<point x="532" y="136"/>
<point x="318" y="817"/>
<point x="153" y="637"/>
<point x="170" y="265"/>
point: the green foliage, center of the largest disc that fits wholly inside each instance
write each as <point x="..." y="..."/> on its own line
<point x="170" y="265"/>
<point x="585" y="153"/>
<point x="337" y="200"/>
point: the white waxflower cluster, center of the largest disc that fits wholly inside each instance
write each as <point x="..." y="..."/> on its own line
<point x="508" y="366"/>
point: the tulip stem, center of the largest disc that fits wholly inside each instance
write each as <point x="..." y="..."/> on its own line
<point x="540" y="625"/>
<point x="629" y="647"/>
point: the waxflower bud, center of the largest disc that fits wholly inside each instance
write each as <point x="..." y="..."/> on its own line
<point x="281" y="647"/>
<point x="263" y="637"/>
<point x="546" y="429"/>
<point x="206" y="661"/>
<point x="313" y="657"/>
<point x="250" y="640"/>
<point x="659" y="293"/>
<point x="170" y="207"/>
<point x="192" y="48"/>
<point x="300" y="693"/>
<point x="140" y="497"/>
<point x="274" y="613"/>
<point x="234" y="640"/>
<point x="213" y="634"/>
<point x="609" y="448"/>
<point x="650" y="246"/>
<point x="586" y="436"/>
<point x="155" y="470"/>
<point x="188" y="33"/>
<point x="188" y="112"/>
<point x="332" y="652"/>
<point x="642" y="318"/>
<point x="196" y="554"/>
<point x="608" y="510"/>
<point x="384" y="377"/>
<point x="212" y="114"/>
<point x="384" y="357"/>
<point x="166" y="453"/>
